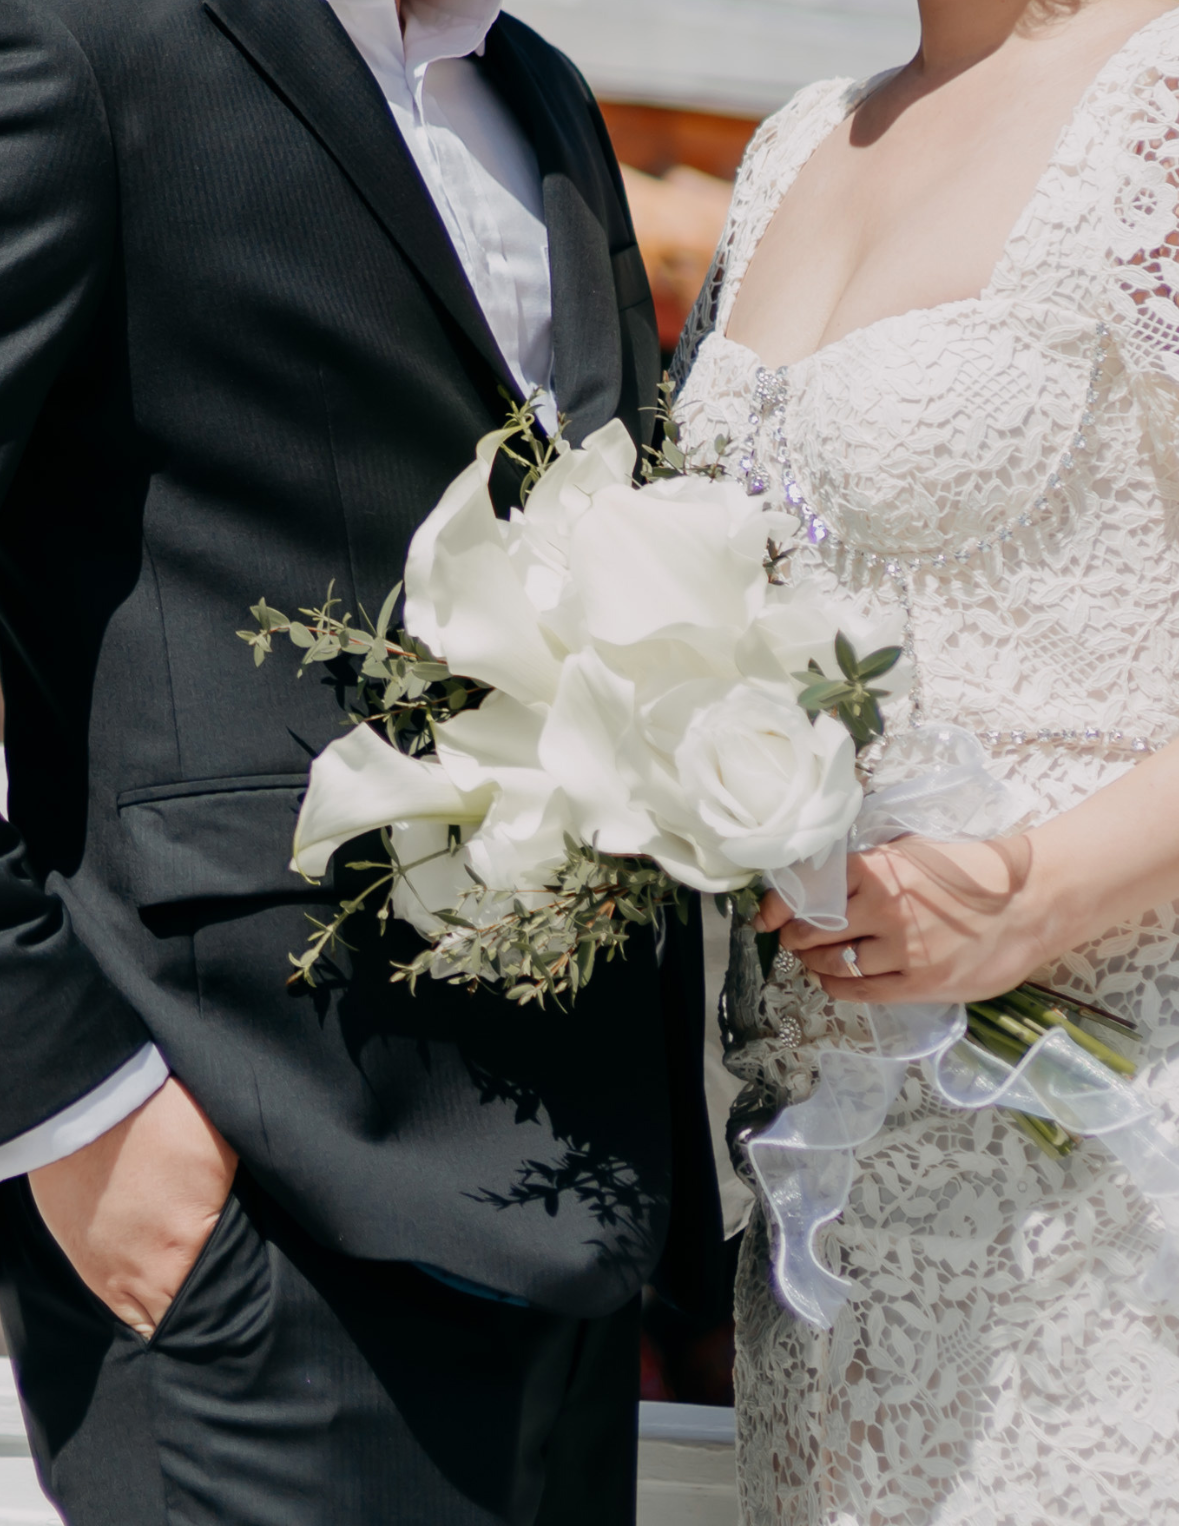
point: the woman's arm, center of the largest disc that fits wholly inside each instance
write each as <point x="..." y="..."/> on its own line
<point x="964" y="921"/>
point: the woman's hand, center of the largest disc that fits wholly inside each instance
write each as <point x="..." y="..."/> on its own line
<point x="930" y="922"/>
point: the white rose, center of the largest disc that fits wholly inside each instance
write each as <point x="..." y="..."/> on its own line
<point x="435" y="877"/>
<point x="742" y="778"/>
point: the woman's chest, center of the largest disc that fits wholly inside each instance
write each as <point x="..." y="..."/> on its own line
<point x="919" y="435"/>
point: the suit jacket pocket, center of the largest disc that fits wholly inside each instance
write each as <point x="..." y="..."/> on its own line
<point x="212" y="838"/>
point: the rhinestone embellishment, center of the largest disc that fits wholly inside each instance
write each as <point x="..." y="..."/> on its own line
<point x="771" y="394"/>
<point x="1088" y="737"/>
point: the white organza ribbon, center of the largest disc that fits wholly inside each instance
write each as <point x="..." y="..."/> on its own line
<point x="804" y="1162"/>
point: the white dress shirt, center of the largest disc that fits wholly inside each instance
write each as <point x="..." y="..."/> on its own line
<point x="482" y="174"/>
<point x="478" y="166"/>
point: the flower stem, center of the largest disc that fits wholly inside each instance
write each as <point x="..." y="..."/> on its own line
<point x="1031" y="1006"/>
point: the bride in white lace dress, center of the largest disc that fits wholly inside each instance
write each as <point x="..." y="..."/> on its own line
<point x="948" y="333"/>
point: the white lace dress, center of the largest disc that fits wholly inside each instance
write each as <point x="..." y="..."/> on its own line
<point x="1008" y="469"/>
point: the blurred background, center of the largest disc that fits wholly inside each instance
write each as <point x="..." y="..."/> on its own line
<point x="684" y="83"/>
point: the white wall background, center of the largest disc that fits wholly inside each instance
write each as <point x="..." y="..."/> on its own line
<point x="743" y="56"/>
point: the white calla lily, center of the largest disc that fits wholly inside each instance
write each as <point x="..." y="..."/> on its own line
<point x="464" y="599"/>
<point x="360" y="784"/>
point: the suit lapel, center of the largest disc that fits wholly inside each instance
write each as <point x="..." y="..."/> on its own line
<point x="587" y="338"/>
<point x="305" y="55"/>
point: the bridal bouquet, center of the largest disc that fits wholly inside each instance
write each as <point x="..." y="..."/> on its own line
<point x="616" y="696"/>
<point x="606" y="700"/>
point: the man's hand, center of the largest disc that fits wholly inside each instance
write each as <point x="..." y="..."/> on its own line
<point x="133" y="1210"/>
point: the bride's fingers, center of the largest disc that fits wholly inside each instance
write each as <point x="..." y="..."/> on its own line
<point x="873" y="956"/>
<point x="881" y="988"/>
<point x="798" y="936"/>
<point x="773" y="913"/>
<point x="801" y="936"/>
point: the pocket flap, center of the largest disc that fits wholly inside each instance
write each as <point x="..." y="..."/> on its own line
<point x="212" y="838"/>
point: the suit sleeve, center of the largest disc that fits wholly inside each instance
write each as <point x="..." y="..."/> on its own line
<point x="64" y="1029"/>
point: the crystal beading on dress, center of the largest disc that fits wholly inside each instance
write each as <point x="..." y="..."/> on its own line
<point x="771" y="391"/>
<point x="774" y="479"/>
<point x="991" y="1370"/>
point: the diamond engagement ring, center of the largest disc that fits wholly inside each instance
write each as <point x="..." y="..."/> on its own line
<point x="849" y="958"/>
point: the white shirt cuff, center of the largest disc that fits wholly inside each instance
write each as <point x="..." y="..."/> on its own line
<point x="87" y="1119"/>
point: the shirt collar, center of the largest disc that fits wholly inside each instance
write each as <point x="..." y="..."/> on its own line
<point x="434" y="29"/>
<point x="437" y="29"/>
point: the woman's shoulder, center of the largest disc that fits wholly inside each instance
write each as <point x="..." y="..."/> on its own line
<point x="810" y="112"/>
<point x="1146" y="67"/>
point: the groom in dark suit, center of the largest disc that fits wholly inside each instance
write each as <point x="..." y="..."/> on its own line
<point x="275" y="1257"/>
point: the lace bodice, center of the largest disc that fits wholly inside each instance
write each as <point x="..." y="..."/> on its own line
<point x="1006" y="470"/>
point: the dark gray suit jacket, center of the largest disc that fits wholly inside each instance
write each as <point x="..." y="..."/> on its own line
<point x="238" y="357"/>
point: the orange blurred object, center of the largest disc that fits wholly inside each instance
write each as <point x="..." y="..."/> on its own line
<point x="679" y="221"/>
<point x="679" y="168"/>
<point x="657" y="138"/>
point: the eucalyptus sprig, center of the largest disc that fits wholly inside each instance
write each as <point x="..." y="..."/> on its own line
<point x="528" y="952"/>
<point x="537" y="452"/>
<point x="670" y="459"/>
<point x="400" y="682"/>
<point x="850" y="698"/>
<point x="549" y="950"/>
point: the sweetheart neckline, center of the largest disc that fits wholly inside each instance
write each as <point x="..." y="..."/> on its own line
<point x="1071" y="126"/>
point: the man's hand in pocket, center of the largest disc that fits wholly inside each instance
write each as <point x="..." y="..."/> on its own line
<point x="133" y="1210"/>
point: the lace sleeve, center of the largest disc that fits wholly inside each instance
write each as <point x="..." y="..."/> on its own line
<point x="1143" y="231"/>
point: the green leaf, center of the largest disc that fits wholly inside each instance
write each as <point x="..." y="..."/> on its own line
<point x="845" y="656"/>
<point x="880" y="662"/>
<point x="823" y="696"/>
<point x="384" y="619"/>
<point x="300" y="635"/>
<point x="266" y="617"/>
<point x="324" y="649"/>
<point x="376" y="665"/>
<point x="452" y="919"/>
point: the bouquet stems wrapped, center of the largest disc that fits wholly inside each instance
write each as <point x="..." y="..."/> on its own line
<point x="1008" y="1026"/>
